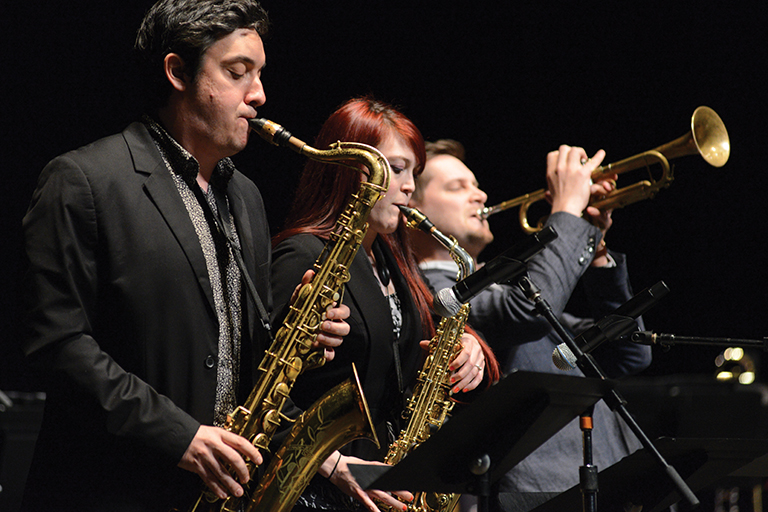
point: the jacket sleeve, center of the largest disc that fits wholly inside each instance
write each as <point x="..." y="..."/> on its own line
<point x="606" y="289"/>
<point x="502" y="312"/>
<point x="62" y="296"/>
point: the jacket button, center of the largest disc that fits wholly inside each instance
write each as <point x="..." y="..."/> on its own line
<point x="210" y="362"/>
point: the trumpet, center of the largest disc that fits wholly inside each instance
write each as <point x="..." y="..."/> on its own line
<point x="707" y="137"/>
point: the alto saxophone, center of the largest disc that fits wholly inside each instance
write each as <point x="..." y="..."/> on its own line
<point x="430" y="404"/>
<point x="291" y="352"/>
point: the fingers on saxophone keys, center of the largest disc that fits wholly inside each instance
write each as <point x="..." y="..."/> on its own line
<point x="462" y="380"/>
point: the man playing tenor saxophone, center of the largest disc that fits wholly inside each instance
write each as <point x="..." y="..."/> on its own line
<point x="141" y="317"/>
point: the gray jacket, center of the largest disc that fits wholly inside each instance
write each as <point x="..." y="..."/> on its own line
<point x="524" y="340"/>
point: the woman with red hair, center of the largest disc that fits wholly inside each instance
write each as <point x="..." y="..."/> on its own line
<point x="391" y="320"/>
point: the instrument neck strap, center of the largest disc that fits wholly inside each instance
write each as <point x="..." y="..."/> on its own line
<point x="225" y="223"/>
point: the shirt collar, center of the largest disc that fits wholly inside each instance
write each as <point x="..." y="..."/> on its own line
<point x="182" y="162"/>
<point x="439" y="265"/>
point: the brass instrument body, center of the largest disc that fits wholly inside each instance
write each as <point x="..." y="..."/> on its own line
<point x="430" y="405"/>
<point x="338" y="417"/>
<point x="707" y="137"/>
<point x="291" y="353"/>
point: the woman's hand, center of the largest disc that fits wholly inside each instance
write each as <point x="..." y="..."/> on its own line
<point x="468" y="367"/>
<point x="337" y="467"/>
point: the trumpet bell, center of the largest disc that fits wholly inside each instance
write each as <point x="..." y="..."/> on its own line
<point x="710" y="136"/>
<point x="707" y="137"/>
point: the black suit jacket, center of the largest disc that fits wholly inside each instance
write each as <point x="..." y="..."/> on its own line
<point x="121" y="320"/>
<point x="370" y="343"/>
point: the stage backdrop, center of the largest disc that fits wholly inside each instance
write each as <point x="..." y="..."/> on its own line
<point x="511" y="83"/>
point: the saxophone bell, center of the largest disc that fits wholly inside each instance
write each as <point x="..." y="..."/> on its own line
<point x="337" y="418"/>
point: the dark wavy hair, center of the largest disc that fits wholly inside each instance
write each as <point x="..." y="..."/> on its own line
<point x="188" y="28"/>
<point x="439" y="147"/>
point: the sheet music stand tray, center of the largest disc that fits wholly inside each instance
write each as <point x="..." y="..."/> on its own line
<point x="507" y="422"/>
<point x="637" y="479"/>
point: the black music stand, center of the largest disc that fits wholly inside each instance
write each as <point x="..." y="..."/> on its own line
<point x="636" y="478"/>
<point x="502" y="426"/>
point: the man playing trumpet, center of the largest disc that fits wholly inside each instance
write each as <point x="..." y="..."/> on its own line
<point x="449" y="194"/>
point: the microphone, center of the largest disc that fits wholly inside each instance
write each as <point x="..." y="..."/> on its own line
<point x="504" y="267"/>
<point x="619" y="323"/>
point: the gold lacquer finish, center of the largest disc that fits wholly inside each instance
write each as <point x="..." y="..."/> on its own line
<point x="291" y="352"/>
<point x="338" y="417"/>
<point x="430" y="404"/>
<point x="707" y="137"/>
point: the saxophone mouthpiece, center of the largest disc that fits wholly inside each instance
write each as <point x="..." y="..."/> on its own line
<point x="271" y="132"/>
<point x="257" y="123"/>
<point x="276" y="134"/>
<point x="415" y="219"/>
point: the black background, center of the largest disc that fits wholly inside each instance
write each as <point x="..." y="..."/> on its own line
<point x="510" y="81"/>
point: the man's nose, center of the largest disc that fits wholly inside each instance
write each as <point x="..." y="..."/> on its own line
<point x="479" y="195"/>
<point x="256" y="96"/>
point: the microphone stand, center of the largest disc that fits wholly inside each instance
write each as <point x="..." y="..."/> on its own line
<point x="667" y="340"/>
<point x="590" y="368"/>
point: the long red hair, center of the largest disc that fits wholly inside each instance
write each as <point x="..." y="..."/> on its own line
<point x="325" y="188"/>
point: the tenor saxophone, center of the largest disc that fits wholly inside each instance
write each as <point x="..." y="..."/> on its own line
<point x="291" y="352"/>
<point x="430" y="404"/>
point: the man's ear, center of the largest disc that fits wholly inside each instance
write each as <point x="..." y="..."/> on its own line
<point x="173" y="66"/>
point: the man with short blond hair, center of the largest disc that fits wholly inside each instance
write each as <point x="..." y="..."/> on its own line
<point x="449" y="194"/>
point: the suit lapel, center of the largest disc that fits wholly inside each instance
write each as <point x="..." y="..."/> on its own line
<point x="163" y="192"/>
<point x="244" y="228"/>
<point x="366" y="293"/>
<point x="243" y="223"/>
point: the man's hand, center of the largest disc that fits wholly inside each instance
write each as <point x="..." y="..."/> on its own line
<point x="601" y="218"/>
<point x="212" y="451"/>
<point x="569" y="172"/>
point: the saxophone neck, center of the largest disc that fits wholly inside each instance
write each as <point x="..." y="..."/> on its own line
<point x="417" y="220"/>
<point x="376" y="163"/>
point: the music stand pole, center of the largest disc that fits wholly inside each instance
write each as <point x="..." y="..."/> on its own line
<point x="588" y="472"/>
<point x="589" y="367"/>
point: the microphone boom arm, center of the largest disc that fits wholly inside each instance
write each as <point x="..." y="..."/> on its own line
<point x="668" y="340"/>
